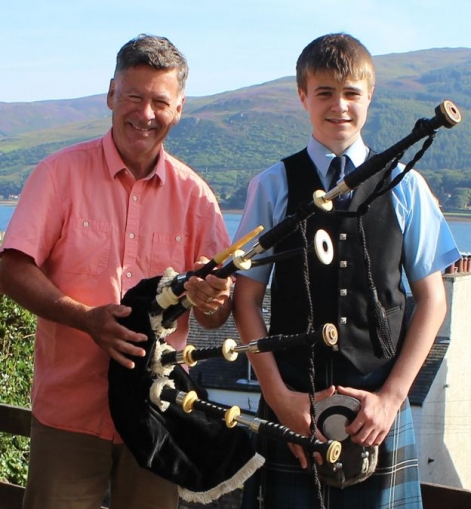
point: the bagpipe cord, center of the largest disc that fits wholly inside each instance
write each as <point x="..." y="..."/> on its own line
<point x="309" y="328"/>
<point x="380" y="332"/>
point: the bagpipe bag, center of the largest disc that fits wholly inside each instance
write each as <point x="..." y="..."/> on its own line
<point x="198" y="453"/>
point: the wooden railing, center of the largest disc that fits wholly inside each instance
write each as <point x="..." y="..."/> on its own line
<point x="435" y="496"/>
<point x="17" y="421"/>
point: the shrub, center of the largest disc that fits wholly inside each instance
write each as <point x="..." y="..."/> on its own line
<point x="16" y="360"/>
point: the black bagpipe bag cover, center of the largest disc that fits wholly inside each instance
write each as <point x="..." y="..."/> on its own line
<point x="192" y="450"/>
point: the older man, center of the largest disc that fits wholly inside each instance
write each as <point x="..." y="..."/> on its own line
<point x="93" y="220"/>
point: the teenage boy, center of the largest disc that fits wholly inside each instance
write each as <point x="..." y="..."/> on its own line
<point x="404" y="230"/>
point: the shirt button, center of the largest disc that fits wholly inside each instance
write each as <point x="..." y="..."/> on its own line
<point x="343" y="236"/>
<point x="135" y="198"/>
<point x="86" y="224"/>
<point x="131" y="235"/>
<point x="343" y="320"/>
<point x="128" y="274"/>
<point x="343" y="264"/>
<point x="343" y="292"/>
<point x="178" y="238"/>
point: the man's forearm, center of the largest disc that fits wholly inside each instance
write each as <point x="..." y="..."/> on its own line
<point x="26" y="284"/>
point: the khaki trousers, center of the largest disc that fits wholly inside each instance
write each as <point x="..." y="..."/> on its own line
<point x="74" y="470"/>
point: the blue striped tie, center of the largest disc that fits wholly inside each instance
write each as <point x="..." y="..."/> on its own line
<point x="337" y="170"/>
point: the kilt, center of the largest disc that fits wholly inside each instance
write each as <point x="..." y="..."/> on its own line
<point x="282" y="484"/>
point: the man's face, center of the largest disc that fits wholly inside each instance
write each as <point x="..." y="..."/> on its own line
<point x="337" y="111"/>
<point x="145" y="103"/>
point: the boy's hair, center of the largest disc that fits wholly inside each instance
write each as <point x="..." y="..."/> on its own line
<point x="341" y="53"/>
<point x="154" y="51"/>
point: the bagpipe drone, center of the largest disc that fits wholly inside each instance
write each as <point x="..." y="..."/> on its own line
<point x="165" y="419"/>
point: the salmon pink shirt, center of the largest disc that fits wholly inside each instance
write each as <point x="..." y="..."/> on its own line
<point x="96" y="232"/>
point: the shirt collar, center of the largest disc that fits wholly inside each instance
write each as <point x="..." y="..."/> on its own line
<point x="116" y="164"/>
<point x="321" y="156"/>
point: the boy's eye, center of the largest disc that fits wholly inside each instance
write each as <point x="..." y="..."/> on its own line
<point x="353" y="93"/>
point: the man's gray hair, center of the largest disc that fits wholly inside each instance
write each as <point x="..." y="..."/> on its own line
<point x="154" y="51"/>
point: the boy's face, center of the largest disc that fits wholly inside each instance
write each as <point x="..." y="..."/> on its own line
<point x="337" y="111"/>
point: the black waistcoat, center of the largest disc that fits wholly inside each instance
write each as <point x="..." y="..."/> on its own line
<point x="338" y="291"/>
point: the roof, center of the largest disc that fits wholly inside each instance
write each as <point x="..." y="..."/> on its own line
<point x="428" y="372"/>
<point x="217" y="373"/>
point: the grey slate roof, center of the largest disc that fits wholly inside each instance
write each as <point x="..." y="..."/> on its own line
<point x="427" y="374"/>
<point x="220" y="374"/>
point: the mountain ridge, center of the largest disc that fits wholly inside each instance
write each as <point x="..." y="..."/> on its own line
<point x="230" y="136"/>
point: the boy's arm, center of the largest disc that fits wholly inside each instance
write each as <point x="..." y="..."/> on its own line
<point x="248" y="317"/>
<point x="292" y="408"/>
<point x="379" y="409"/>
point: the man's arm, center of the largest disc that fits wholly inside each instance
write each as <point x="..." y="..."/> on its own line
<point x="23" y="281"/>
<point x="379" y="409"/>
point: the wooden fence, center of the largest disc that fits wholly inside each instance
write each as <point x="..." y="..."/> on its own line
<point x="17" y="421"/>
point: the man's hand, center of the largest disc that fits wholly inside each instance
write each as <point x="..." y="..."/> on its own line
<point x="114" y="338"/>
<point x="207" y="294"/>
<point x="211" y="297"/>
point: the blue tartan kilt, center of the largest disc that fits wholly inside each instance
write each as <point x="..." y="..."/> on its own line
<point x="282" y="484"/>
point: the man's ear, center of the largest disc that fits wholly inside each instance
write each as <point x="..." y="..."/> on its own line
<point x="109" y="97"/>
<point x="178" y="116"/>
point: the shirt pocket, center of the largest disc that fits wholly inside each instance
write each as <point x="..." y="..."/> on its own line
<point x="168" y="250"/>
<point x="87" y="248"/>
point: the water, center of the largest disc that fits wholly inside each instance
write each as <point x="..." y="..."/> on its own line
<point x="462" y="232"/>
<point x="5" y="213"/>
<point x="460" y="229"/>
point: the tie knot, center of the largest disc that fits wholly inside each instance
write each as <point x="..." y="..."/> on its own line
<point x="337" y="170"/>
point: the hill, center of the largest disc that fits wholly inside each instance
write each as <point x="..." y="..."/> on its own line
<point x="228" y="137"/>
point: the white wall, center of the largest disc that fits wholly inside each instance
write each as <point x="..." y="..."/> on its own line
<point x="244" y="400"/>
<point x="444" y="422"/>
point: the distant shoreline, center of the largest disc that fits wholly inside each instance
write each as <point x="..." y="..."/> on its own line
<point x="455" y="216"/>
<point x="449" y="216"/>
<point x="232" y="211"/>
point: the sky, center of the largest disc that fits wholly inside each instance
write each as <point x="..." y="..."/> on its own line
<point x="64" y="49"/>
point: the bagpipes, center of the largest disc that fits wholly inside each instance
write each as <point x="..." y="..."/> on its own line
<point x="164" y="420"/>
<point x="161" y="414"/>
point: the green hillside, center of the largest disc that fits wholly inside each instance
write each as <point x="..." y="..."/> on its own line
<point x="229" y="137"/>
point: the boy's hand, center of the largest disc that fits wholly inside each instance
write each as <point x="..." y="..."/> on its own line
<point x="375" y="418"/>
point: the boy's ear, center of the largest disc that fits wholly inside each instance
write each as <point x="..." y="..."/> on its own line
<point x="302" y="97"/>
<point x="370" y="95"/>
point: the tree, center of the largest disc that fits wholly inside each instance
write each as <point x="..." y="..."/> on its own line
<point x="461" y="198"/>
